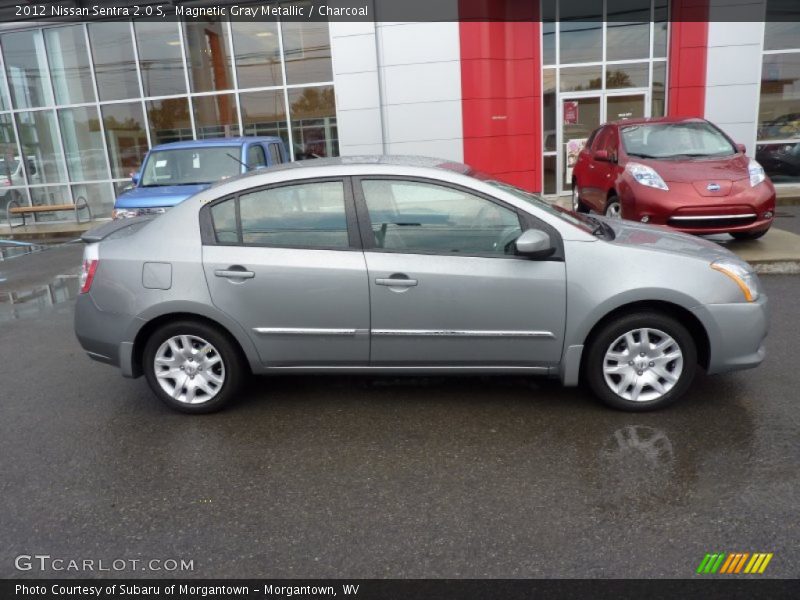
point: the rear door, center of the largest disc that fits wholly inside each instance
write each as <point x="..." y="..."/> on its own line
<point x="275" y="153"/>
<point x="445" y="286"/>
<point x="286" y="263"/>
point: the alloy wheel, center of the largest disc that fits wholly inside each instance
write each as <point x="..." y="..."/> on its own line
<point x="576" y="203"/>
<point x="189" y="369"/>
<point x="643" y="365"/>
<point x="614" y="210"/>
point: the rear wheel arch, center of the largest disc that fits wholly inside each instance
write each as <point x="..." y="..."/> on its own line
<point x="684" y="316"/>
<point x="154" y="324"/>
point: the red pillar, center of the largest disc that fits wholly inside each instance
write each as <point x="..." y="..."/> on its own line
<point x="501" y="90"/>
<point x="688" y="47"/>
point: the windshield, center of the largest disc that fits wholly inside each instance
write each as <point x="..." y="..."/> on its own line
<point x="540" y="203"/>
<point x="191" y="166"/>
<point x="675" y="140"/>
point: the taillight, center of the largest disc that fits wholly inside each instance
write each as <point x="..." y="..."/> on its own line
<point x="87" y="274"/>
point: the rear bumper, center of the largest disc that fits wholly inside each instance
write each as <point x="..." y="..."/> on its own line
<point x="736" y="334"/>
<point x="682" y="209"/>
<point x="102" y="335"/>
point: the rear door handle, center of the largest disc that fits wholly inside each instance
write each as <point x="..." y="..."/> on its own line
<point x="234" y="273"/>
<point x="396" y="281"/>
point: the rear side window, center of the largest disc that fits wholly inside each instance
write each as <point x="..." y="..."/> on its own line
<point x="256" y="157"/>
<point x="309" y="215"/>
<point x="275" y="154"/>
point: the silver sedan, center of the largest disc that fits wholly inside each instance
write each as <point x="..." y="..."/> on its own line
<point x="408" y="266"/>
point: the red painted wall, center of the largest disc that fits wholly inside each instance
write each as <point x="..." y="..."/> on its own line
<point x="688" y="48"/>
<point x="501" y="91"/>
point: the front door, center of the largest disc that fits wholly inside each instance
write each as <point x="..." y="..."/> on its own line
<point x="445" y="287"/>
<point x="579" y="117"/>
<point x="281" y="263"/>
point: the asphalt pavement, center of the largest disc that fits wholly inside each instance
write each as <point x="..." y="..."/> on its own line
<point x="383" y="476"/>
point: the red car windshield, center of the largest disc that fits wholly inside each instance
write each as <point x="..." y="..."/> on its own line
<point x="694" y="139"/>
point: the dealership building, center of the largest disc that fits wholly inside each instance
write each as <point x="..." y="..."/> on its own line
<point x="81" y="102"/>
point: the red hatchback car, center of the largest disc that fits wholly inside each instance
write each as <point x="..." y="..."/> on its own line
<point x="684" y="173"/>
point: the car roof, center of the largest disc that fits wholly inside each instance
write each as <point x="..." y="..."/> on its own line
<point x="333" y="164"/>
<point x="210" y="142"/>
<point x="646" y="120"/>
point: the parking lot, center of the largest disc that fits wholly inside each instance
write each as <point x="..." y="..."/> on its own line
<point x="382" y="476"/>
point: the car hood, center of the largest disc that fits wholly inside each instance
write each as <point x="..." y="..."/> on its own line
<point x="711" y="177"/>
<point x="150" y="197"/>
<point x="662" y="239"/>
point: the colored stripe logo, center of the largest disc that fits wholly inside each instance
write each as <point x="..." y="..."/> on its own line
<point x="734" y="563"/>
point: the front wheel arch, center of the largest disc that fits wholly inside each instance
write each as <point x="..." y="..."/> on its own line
<point x="691" y="322"/>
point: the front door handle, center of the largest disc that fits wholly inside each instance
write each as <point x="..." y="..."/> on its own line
<point x="396" y="281"/>
<point x="235" y="272"/>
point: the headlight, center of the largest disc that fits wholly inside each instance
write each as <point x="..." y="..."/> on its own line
<point x="646" y="176"/>
<point x="756" y="172"/>
<point x="744" y="277"/>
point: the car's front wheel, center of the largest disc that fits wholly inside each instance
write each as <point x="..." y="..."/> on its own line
<point x="642" y="361"/>
<point x="192" y="367"/>
<point x="613" y="207"/>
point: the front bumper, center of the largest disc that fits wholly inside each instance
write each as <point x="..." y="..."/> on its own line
<point x="748" y="209"/>
<point x="736" y="334"/>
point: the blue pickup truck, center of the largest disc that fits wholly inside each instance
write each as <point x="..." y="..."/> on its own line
<point x="172" y="172"/>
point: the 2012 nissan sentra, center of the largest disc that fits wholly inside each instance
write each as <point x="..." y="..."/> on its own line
<point x="408" y="266"/>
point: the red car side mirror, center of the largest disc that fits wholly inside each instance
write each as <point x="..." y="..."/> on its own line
<point x="741" y="148"/>
<point x="603" y="155"/>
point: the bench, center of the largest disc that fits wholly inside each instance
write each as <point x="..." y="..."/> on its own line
<point x="15" y="208"/>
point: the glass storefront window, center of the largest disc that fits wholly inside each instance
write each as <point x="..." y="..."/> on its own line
<point x="114" y="64"/>
<point x="779" y="110"/>
<point x="627" y="29"/>
<point x="313" y="116"/>
<point x="11" y="171"/>
<point x="581" y="31"/>
<point x="307" y="52"/>
<point x="782" y="25"/>
<point x="215" y="116"/>
<point x="627" y="75"/>
<point x="258" y="55"/>
<point x="26" y="68"/>
<point x="660" y="28"/>
<point x="69" y="64"/>
<point x="549" y="108"/>
<point x="658" y="93"/>
<point x="169" y="120"/>
<point x="548" y="32"/>
<point x="126" y="138"/>
<point x="44" y="162"/>
<point x="159" y="46"/>
<point x="208" y="56"/>
<point x="5" y="99"/>
<point x="83" y="143"/>
<point x="99" y="195"/>
<point x="264" y="113"/>
<point x="577" y="79"/>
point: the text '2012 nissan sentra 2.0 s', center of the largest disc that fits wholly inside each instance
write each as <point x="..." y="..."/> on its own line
<point x="408" y="265"/>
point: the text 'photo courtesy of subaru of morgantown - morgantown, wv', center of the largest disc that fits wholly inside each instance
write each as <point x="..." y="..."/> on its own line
<point x="422" y="266"/>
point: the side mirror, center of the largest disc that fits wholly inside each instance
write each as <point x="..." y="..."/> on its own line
<point x="741" y="148"/>
<point x="604" y="156"/>
<point x="135" y="177"/>
<point x="534" y="243"/>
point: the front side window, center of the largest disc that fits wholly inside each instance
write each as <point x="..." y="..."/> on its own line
<point x="675" y="140"/>
<point x="417" y="217"/>
<point x="308" y="215"/>
<point x="191" y="166"/>
<point x="256" y="157"/>
<point x="275" y="154"/>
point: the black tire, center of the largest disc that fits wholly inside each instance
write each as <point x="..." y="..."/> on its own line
<point x="613" y="200"/>
<point x="577" y="203"/>
<point x="232" y="362"/>
<point x="610" y="332"/>
<point x="748" y="235"/>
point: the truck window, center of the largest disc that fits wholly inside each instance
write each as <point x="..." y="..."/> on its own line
<point x="256" y="157"/>
<point x="275" y="154"/>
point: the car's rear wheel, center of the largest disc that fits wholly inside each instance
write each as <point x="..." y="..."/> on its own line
<point x="748" y="235"/>
<point x="577" y="203"/>
<point x="643" y="361"/>
<point x="192" y="367"/>
<point x="613" y="207"/>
